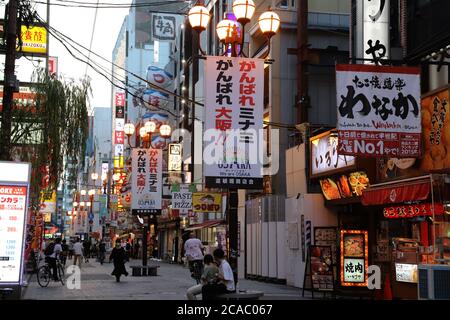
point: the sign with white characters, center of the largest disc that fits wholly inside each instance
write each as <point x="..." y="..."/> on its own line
<point x="378" y="111"/>
<point x="146" y="188"/>
<point x="234" y="95"/>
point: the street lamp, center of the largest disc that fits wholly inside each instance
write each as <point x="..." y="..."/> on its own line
<point x="230" y="33"/>
<point x="129" y="131"/>
<point x="83" y="192"/>
<point x="94" y="176"/>
<point x="150" y="127"/>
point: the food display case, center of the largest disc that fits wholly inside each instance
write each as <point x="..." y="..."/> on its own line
<point x="405" y="260"/>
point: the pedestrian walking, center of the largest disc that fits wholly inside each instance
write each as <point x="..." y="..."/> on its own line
<point x="64" y="252"/>
<point x="87" y="250"/>
<point x="77" y="252"/>
<point x="209" y="276"/>
<point x="118" y="256"/>
<point x="194" y="254"/>
<point x="225" y="283"/>
<point x="101" y="252"/>
<point x="70" y="249"/>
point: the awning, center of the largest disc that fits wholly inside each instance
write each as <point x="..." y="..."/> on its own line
<point x="207" y="224"/>
<point x="398" y="192"/>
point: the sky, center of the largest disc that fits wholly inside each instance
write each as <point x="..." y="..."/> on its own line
<point x="77" y="23"/>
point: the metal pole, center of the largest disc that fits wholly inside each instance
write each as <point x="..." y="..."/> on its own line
<point x="10" y="80"/>
<point x="232" y="218"/>
<point x="144" y="240"/>
<point x="302" y="56"/>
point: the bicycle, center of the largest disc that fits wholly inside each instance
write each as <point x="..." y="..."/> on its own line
<point x="196" y="268"/>
<point x="45" y="273"/>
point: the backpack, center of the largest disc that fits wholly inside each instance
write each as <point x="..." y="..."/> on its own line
<point x="49" y="249"/>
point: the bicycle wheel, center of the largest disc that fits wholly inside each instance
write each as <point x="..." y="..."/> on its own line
<point x="43" y="276"/>
<point x="61" y="274"/>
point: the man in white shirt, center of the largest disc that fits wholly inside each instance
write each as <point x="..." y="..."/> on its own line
<point x="77" y="252"/>
<point x="225" y="276"/>
<point x="193" y="248"/>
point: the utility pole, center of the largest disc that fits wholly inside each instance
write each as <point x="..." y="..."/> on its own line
<point x="10" y="79"/>
<point x="302" y="57"/>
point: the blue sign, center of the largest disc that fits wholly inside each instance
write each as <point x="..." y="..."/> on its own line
<point x="91" y="216"/>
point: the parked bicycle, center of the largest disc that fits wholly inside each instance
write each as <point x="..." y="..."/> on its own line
<point x="45" y="274"/>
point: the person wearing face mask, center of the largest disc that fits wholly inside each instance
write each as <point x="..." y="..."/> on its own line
<point x="119" y="256"/>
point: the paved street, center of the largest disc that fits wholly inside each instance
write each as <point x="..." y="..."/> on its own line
<point x="170" y="284"/>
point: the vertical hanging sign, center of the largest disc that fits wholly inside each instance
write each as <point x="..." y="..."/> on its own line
<point x="234" y="89"/>
<point x="146" y="187"/>
<point x="372" y="40"/>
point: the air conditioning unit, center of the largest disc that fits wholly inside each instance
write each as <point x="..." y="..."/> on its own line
<point x="434" y="282"/>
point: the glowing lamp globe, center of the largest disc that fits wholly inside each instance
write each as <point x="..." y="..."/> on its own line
<point x="129" y="129"/>
<point x="269" y="22"/>
<point x="150" y="126"/>
<point x="198" y="18"/>
<point x="225" y="28"/>
<point x="243" y="10"/>
<point x="165" y="130"/>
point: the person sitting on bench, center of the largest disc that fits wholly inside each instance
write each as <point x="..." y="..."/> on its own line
<point x="225" y="283"/>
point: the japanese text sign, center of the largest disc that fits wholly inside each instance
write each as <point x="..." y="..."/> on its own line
<point x="34" y="39"/>
<point x="48" y="201"/>
<point x="375" y="29"/>
<point x="175" y="155"/>
<point x="207" y="202"/>
<point x="146" y="187"/>
<point x="378" y="111"/>
<point x="13" y="214"/>
<point x="413" y="210"/>
<point x="234" y="92"/>
<point x="324" y="155"/>
<point x="354" y="257"/>
<point x="164" y="26"/>
<point x="120" y="99"/>
<point x="119" y="137"/>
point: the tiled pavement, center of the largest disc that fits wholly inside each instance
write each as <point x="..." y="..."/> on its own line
<point x="170" y="284"/>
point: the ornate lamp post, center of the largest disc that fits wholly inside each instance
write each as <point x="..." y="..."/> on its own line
<point x="231" y="34"/>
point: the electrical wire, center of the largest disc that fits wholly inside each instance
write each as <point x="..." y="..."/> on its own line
<point x="53" y="31"/>
<point x="106" y="5"/>
<point x="92" y="37"/>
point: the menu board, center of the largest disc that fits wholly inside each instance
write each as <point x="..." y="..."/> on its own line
<point x="344" y="186"/>
<point x="406" y="272"/>
<point x="13" y="205"/>
<point x="321" y="268"/>
<point x="354" y="257"/>
<point x="327" y="236"/>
